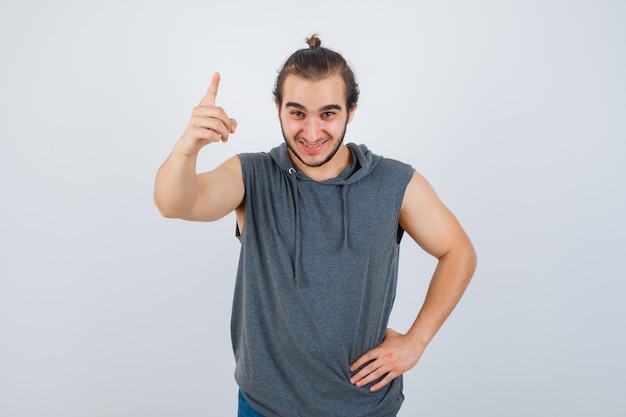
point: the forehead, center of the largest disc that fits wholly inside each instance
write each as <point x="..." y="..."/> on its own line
<point x="314" y="93"/>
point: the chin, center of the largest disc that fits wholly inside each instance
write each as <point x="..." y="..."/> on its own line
<point x="331" y="146"/>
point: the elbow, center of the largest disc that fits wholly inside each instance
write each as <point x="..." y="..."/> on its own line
<point x="168" y="214"/>
<point x="464" y="257"/>
<point x="471" y="259"/>
<point x="166" y="210"/>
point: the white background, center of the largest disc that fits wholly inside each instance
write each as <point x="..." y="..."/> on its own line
<point x="515" y="112"/>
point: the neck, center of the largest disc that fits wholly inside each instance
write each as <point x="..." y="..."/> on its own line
<point x="331" y="169"/>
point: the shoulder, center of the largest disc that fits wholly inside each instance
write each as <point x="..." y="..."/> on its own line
<point x="367" y="156"/>
<point x="261" y="168"/>
<point x="276" y="156"/>
<point x="253" y="157"/>
<point x="396" y="171"/>
<point x="255" y="162"/>
<point x="396" y="166"/>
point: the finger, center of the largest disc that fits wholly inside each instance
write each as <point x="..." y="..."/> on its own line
<point x="206" y="135"/>
<point x="365" y="371"/>
<point x="374" y="376"/>
<point x="213" y="118"/>
<point x="368" y="374"/>
<point x="212" y="132"/>
<point x="217" y="121"/>
<point x="385" y="381"/>
<point x="211" y="92"/>
<point x="365" y="358"/>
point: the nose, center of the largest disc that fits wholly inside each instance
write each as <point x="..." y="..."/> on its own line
<point x="312" y="130"/>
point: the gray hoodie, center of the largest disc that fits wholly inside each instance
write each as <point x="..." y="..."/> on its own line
<point x="316" y="283"/>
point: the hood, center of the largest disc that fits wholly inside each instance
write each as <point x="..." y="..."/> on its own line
<point x="363" y="162"/>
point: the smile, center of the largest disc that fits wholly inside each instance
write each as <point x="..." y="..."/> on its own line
<point x="312" y="148"/>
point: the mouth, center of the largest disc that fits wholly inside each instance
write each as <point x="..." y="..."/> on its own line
<point x="312" y="147"/>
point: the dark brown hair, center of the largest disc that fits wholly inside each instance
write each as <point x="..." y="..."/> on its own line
<point x="316" y="63"/>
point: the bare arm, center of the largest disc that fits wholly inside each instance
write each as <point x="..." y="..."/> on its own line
<point x="426" y="219"/>
<point x="181" y="193"/>
<point x="437" y="231"/>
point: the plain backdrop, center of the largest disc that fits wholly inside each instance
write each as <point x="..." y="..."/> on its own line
<point x="514" y="110"/>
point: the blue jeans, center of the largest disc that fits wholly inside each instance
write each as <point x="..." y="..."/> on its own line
<point x="244" y="409"/>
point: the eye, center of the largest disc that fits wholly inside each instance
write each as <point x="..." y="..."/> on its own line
<point x="328" y="114"/>
<point x="297" y="113"/>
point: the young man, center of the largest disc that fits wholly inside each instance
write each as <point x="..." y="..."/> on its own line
<point x="320" y="223"/>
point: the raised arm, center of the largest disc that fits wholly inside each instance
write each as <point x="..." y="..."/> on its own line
<point x="180" y="192"/>
<point x="427" y="220"/>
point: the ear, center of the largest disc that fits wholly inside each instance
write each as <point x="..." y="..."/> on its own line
<point x="351" y="112"/>
<point x="277" y="107"/>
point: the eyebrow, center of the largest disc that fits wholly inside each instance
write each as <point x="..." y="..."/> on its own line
<point x="325" y="108"/>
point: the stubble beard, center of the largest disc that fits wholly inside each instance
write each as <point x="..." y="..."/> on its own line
<point x="328" y="158"/>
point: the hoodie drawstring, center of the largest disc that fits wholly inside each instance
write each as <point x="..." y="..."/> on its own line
<point x="344" y="197"/>
<point x="296" y="267"/>
<point x="344" y="193"/>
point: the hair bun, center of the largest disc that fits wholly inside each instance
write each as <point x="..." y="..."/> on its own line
<point x="314" y="41"/>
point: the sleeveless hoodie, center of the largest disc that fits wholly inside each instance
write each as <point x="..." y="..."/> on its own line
<point x="315" y="284"/>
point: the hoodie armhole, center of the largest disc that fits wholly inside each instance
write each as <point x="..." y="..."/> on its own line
<point x="399" y="234"/>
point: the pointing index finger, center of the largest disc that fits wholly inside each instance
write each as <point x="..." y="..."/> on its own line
<point x="211" y="92"/>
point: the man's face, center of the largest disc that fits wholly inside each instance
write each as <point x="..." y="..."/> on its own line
<point x="314" y="117"/>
